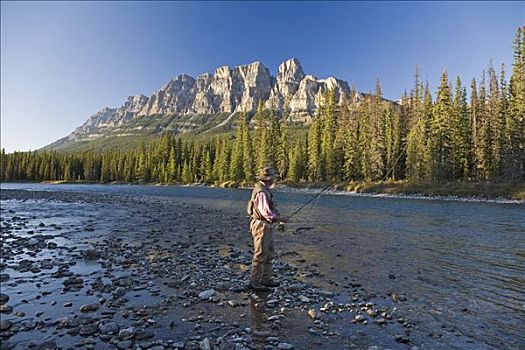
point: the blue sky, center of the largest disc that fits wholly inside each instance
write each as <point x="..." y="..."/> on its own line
<point x="63" y="61"/>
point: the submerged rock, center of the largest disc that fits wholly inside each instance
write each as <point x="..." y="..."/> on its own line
<point x="91" y="254"/>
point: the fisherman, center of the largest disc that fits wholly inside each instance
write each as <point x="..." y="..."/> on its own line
<point x="264" y="213"/>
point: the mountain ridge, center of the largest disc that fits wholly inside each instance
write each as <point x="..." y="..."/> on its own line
<point x="227" y="91"/>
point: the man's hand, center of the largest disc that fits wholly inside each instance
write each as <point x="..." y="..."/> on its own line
<point x="282" y="219"/>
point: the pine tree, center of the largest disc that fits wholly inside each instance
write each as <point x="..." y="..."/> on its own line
<point x="484" y="133"/>
<point x="348" y="133"/>
<point x="284" y="147"/>
<point x="475" y="127"/>
<point x="248" y="164"/>
<point x="314" y="150"/>
<point x="328" y="130"/>
<point x="236" y="164"/>
<point x="417" y="134"/>
<point x="515" y="125"/>
<point x="440" y="137"/>
<point x="461" y="133"/>
<point x="496" y="125"/>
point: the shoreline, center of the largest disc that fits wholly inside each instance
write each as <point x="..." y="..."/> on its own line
<point x="462" y="191"/>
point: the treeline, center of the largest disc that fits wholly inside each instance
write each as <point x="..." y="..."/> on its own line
<point x="422" y="139"/>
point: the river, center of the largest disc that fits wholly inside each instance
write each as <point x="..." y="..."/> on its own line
<point x="460" y="264"/>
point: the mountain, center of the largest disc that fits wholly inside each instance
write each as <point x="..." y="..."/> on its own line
<point x="209" y="102"/>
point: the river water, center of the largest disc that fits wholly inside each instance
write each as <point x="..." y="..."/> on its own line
<point x="460" y="264"/>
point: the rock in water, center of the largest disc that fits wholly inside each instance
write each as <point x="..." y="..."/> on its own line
<point x="380" y="321"/>
<point x="6" y="309"/>
<point x="126" y="333"/>
<point x="74" y="282"/>
<point x="4" y="298"/>
<point x="89" y="307"/>
<point x="91" y="254"/>
<point x="4" y="277"/>
<point x="359" y="318"/>
<point x="5" y="325"/>
<point x="207" y="294"/>
<point x="284" y="346"/>
<point x="32" y="242"/>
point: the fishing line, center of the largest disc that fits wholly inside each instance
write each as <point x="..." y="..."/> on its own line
<point x="281" y="227"/>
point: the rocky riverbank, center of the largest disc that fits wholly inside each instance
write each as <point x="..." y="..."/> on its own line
<point x="101" y="271"/>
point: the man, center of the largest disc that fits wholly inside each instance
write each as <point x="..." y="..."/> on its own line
<point x="264" y="213"/>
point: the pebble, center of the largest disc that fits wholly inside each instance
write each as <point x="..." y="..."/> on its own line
<point x="402" y="339"/>
<point x="359" y="318"/>
<point x="4" y="298"/>
<point x="73" y="281"/>
<point x="89" y="307"/>
<point x="380" y="321"/>
<point x="304" y="299"/>
<point x="49" y="344"/>
<point x="89" y="329"/>
<point x="109" y="327"/>
<point x="261" y="333"/>
<point x="312" y="313"/>
<point x="6" y="309"/>
<point x="125" y="344"/>
<point x="91" y="254"/>
<point x="126" y="333"/>
<point x="205" y="344"/>
<point x="284" y="346"/>
<point x="207" y="294"/>
<point x="142" y="334"/>
<point x="5" y="325"/>
<point x="32" y="242"/>
<point x="4" y="277"/>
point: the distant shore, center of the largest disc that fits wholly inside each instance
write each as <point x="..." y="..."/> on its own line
<point x="465" y="190"/>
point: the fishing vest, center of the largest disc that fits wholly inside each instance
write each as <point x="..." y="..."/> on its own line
<point x="252" y="208"/>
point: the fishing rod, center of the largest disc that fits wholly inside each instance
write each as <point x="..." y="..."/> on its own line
<point x="281" y="227"/>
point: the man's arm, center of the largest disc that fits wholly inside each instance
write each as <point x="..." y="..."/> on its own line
<point x="263" y="206"/>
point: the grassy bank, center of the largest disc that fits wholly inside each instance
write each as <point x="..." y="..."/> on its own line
<point x="483" y="190"/>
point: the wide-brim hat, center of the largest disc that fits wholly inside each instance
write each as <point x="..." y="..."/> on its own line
<point x="267" y="173"/>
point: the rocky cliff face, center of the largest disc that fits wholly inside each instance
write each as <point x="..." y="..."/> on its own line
<point x="228" y="90"/>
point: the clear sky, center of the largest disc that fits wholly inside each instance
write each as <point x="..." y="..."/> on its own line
<point x="63" y="61"/>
